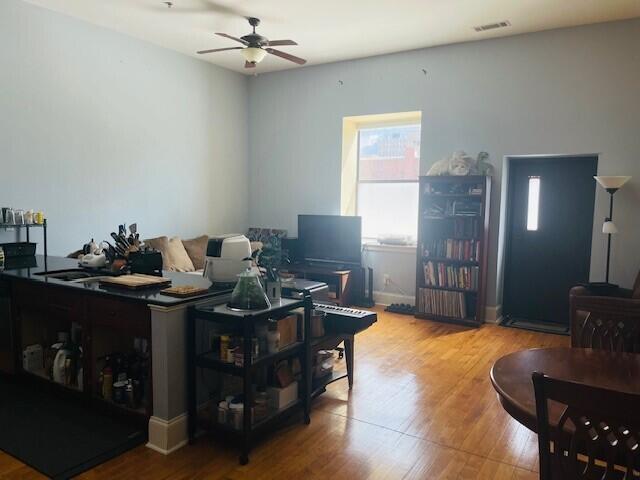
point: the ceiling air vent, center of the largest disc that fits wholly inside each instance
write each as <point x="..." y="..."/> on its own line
<point x="492" y="26"/>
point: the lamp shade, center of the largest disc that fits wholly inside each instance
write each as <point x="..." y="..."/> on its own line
<point x="253" y="54"/>
<point x="612" y="182"/>
<point x="609" y="227"/>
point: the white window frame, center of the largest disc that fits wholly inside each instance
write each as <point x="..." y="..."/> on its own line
<point x="370" y="126"/>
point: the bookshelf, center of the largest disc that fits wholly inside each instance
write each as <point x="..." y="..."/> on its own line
<point x="453" y="232"/>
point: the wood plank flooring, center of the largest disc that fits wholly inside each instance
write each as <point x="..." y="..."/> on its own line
<point x="422" y="407"/>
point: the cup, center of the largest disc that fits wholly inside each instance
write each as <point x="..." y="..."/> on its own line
<point x="19" y="217"/>
<point x="9" y="216"/>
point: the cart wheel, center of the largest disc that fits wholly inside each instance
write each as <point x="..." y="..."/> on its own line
<point x="244" y="459"/>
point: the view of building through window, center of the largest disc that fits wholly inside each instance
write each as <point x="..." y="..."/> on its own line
<point x="388" y="169"/>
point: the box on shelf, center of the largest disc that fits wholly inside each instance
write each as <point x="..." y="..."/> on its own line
<point x="288" y="328"/>
<point x="280" y="398"/>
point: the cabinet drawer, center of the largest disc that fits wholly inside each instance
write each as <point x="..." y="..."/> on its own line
<point x="120" y="315"/>
<point x="65" y="303"/>
<point x="29" y="295"/>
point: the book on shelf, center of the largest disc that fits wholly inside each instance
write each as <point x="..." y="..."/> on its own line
<point x="442" y="275"/>
<point x="466" y="227"/>
<point x="453" y="249"/>
<point x="442" y="303"/>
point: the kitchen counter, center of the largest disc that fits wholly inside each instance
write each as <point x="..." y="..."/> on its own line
<point x="34" y="308"/>
<point x="150" y="296"/>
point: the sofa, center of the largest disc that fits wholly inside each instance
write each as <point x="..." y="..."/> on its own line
<point x="189" y="255"/>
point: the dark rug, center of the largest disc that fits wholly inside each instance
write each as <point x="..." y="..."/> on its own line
<point x="544" y="327"/>
<point x="59" y="437"/>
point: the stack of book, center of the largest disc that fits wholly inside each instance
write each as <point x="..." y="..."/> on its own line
<point x="437" y="274"/>
<point x="467" y="250"/>
<point x="442" y="303"/>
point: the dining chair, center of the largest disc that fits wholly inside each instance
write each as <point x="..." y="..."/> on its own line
<point x="597" y="436"/>
<point x="609" y="322"/>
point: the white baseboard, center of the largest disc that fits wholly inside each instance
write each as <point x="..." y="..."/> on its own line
<point x="493" y="314"/>
<point x="167" y="436"/>
<point x="385" y="298"/>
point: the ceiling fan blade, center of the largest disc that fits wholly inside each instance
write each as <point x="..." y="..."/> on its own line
<point x="275" y="43"/>
<point x="249" y="65"/>
<point x="232" y="38"/>
<point x="219" y="50"/>
<point x="286" y="56"/>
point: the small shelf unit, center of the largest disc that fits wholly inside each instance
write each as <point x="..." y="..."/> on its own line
<point x="244" y="322"/>
<point x="27" y="227"/>
<point x="453" y="232"/>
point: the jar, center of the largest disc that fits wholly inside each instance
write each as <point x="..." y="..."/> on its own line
<point x="223" y="411"/>
<point x="231" y="355"/>
<point x="224" y="347"/>
<point x="273" y="341"/>
<point x="235" y="415"/>
<point x="119" y="392"/>
<point x="238" y="357"/>
<point x="261" y="407"/>
<point x="317" y="323"/>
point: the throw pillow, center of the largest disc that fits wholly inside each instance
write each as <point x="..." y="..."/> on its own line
<point x="180" y="261"/>
<point x="174" y="256"/>
<point x="196" y="249"/>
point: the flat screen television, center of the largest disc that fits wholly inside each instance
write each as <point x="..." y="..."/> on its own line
<point x="330" y="238"/>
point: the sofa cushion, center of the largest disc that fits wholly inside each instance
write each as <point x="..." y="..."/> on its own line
<point x="196" y="249"/>
<point x="174" y="255"/>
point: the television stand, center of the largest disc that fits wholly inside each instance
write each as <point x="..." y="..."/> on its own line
<point x="344" y="283"/>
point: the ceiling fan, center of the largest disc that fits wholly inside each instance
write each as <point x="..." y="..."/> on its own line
<point x="256" y="47"/>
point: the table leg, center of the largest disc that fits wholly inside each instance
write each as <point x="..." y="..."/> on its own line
<point x="348" y="350"/>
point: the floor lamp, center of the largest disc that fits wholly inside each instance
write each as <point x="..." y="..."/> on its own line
<point x="611" y="185"/>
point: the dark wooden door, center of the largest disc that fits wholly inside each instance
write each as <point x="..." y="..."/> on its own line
<point x="545" y="258"/>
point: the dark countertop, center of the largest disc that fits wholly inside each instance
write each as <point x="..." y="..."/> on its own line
<point x="149" y="295"/>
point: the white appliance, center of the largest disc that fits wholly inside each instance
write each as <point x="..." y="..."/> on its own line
<point x="227" y="257"/>
<point x="93" y="260"/>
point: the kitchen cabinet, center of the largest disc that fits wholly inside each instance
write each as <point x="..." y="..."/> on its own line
<point x="103" y="326"/>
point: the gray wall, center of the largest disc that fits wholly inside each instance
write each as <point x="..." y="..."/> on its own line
<point x="97" y="129"/>
<point x="556" y="92"/>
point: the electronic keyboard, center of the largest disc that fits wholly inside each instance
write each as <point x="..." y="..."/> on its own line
<point x="347" y="320"/>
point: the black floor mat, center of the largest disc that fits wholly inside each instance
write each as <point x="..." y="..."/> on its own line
<point x="544" y="327"/>
<point x="56" y="436"/>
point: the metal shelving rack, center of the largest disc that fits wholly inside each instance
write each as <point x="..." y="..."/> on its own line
<point x="28" y="227"/>
<point x="245" y="322"/>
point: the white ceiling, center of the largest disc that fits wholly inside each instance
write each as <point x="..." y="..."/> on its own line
<point x="332" y="30"/>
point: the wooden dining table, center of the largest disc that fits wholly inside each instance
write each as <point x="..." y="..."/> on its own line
<point x="511" y="376"/>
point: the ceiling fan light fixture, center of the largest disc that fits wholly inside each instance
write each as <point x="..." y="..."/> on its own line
<point x="253" y="54"/>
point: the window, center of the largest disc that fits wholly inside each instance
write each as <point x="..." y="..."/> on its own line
<point x="387" y="180"/>
<point x="533" y="204"/>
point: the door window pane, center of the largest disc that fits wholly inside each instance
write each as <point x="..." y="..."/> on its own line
<point x="533" y="204"/>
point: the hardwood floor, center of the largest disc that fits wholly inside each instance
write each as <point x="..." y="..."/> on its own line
<point x="422" y="407"/>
